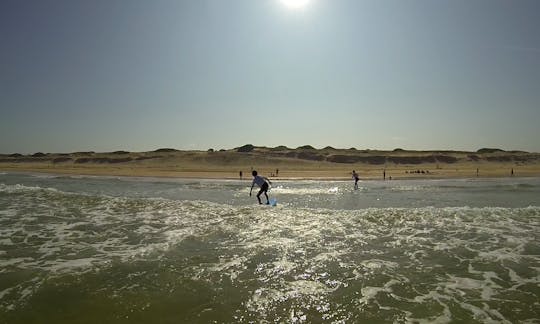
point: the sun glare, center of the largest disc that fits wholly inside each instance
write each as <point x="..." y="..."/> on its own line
<point x="295" y="4"/>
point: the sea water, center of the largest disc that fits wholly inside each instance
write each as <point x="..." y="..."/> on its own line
<point x="143" y="250"/>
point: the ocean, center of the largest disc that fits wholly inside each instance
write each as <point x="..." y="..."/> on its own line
<point x="80" y="249"/>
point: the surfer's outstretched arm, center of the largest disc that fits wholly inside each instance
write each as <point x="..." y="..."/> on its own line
<point x="250" y="190"/>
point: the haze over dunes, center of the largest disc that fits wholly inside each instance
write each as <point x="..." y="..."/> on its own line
<point x="281" y="161"/>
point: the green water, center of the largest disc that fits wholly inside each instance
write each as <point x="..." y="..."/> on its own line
<point x="128" y="251"/>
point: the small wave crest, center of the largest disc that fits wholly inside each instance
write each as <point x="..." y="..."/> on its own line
<point x="305" y="191"/>
<point x="18" y="188"/>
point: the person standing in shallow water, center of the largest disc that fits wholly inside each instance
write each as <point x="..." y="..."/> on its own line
<point x="263" y="183"/>
<point x="356" y="178"/>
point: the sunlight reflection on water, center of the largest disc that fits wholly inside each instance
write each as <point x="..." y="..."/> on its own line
<point x="119" y="249"/>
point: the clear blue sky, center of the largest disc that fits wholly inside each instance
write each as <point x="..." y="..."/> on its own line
<point x="139" y="75"/>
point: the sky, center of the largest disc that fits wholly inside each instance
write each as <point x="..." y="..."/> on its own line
<point x="137" y="75"/>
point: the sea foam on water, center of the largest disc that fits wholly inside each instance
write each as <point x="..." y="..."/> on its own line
<point x="200" y="251"/>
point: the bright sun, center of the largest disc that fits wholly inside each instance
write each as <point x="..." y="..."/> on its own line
<point x="295" y="4"/>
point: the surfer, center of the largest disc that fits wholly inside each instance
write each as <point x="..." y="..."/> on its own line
<point x="356" y="178"/>
<point x="263" y="183"/>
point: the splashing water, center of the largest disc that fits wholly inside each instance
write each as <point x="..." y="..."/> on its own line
<point x="163" y="250"/>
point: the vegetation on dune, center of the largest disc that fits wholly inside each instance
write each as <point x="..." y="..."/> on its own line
<point x="305" y="153"/>
<point x="305" y="147"/>
<point x="166" y="150"/>
<point x="245" y="149"/>
<point x="489" y="150"/>
<point x="83" y="153"/>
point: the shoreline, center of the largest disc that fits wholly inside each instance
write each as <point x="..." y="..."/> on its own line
<point x="208" y="176"/>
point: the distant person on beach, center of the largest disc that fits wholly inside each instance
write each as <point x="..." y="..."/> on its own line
<point x="356" y="178"/>
<point x="240" y="173"/>
<point x="263" y="183"/>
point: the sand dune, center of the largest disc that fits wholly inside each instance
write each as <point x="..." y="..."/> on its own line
<point x="282" y="162"/>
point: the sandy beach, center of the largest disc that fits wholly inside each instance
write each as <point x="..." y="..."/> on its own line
<point x="282" y="163"/>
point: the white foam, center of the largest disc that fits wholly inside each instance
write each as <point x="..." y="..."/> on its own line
<point x="289" y="258"/>
<point x="14" y="262"/>
<point x="369" y="293"/>
<point x="6" y="241"/>
<point x="5" y="292"/>
<point x="231" y="267"/>
<point x="282" y="267"/>
<point x="264" y="299"/>
<point x="375" y="264"/>
<point x="67" y="266"/>
<point x="305" y="191"/>
<point x="23" y="188"/>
